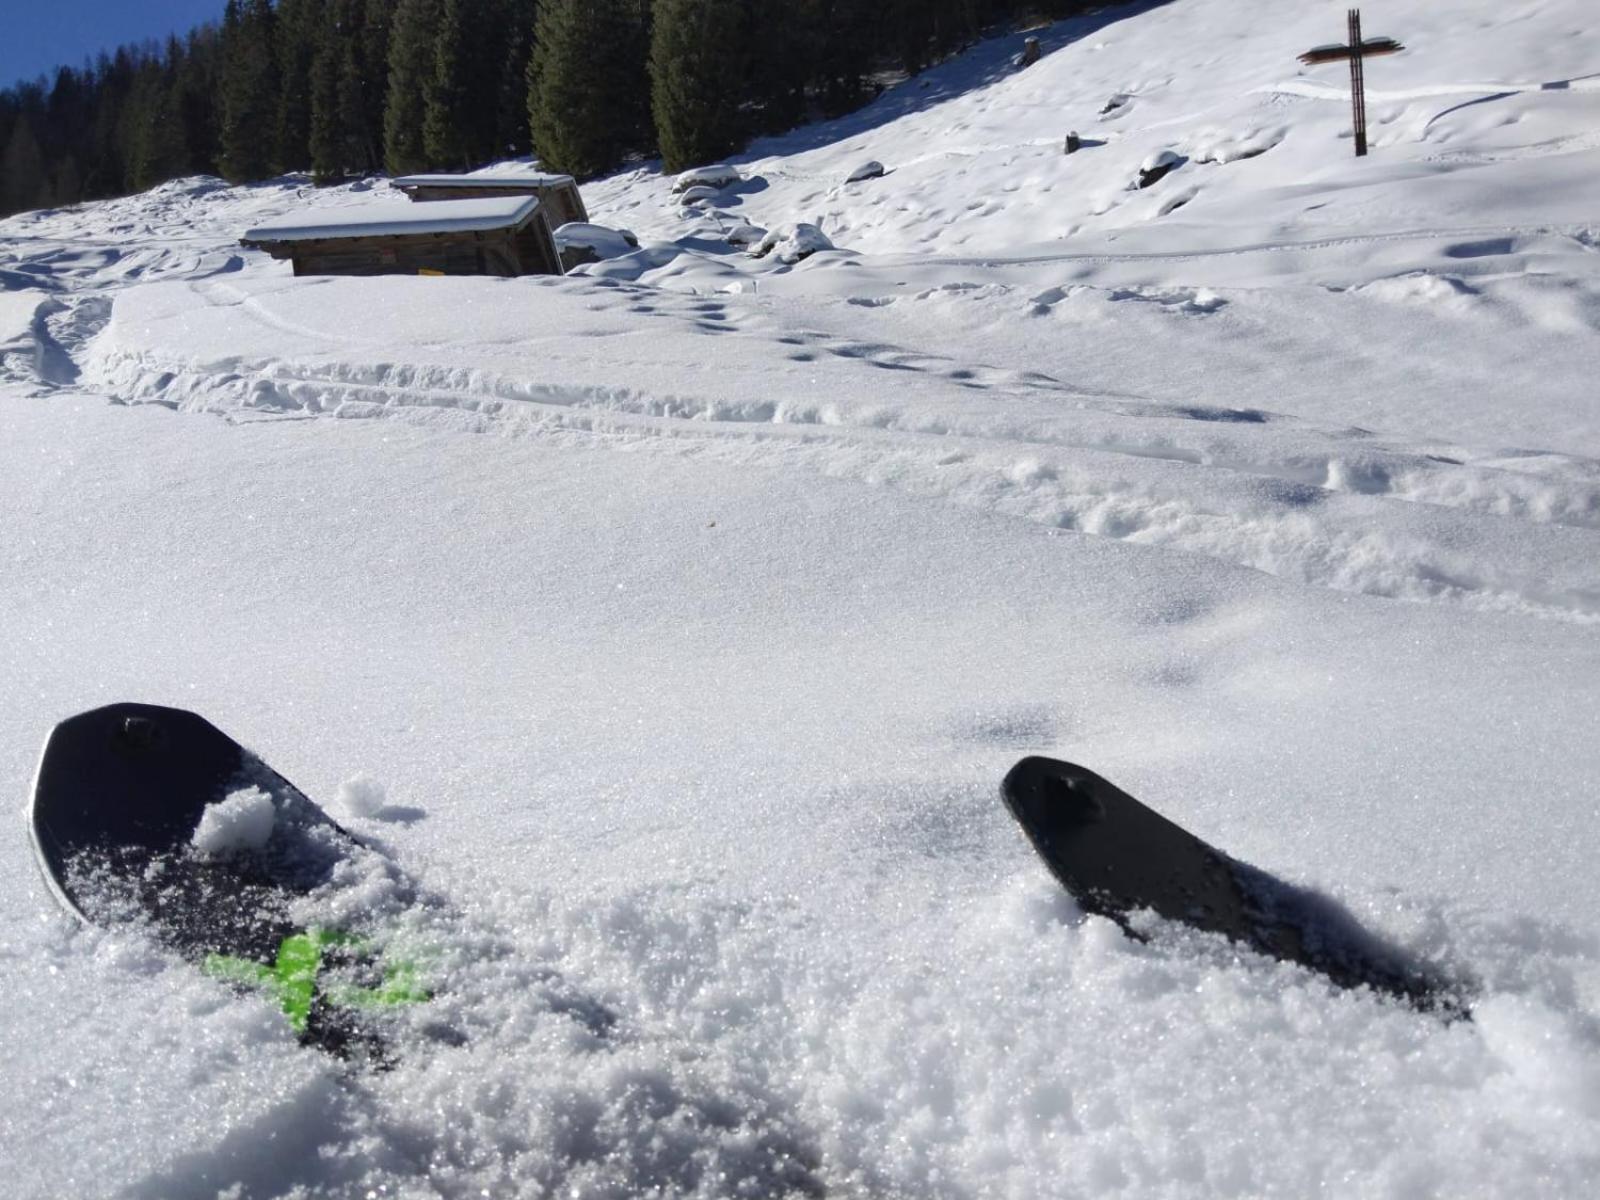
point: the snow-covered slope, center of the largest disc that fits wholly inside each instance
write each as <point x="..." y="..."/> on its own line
<point x="689" y="608"/>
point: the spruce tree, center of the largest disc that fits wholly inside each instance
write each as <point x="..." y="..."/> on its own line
<point x="698" y="55"/>
<point x="249" y="91"/>
<point x="411" y="64"/>
<point x="196" y="94"/>
<point x="23" y="184"/>
<point x="849" y="39"/>
<point x="153" y="130"/>
<point x="511" y="98"/>
<point x="298" y="24"/>
<point x="114" y="76"/>
<point x="587" y="83"/>
<point x="370" y="77"/>
<point x="491" y="31"/>
<point x="445" y="91"/>
<point x="327" y="120"/>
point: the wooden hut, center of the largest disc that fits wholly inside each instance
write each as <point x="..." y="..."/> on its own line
<point x="496" y="235"/>
<point x="559" y="193"/>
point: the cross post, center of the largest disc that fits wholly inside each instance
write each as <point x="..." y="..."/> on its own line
<point x="1356" y="51"/>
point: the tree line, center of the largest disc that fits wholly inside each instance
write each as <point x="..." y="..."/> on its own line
<point x="344" y="88"/>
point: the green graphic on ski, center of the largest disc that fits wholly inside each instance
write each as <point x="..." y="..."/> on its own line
<point x="153" y="816"/>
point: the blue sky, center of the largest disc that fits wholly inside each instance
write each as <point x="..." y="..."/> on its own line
<point x="40" y="35"/>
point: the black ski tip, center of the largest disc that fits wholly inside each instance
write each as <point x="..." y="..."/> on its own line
<point x="1116" y="857"/>
<point x="1051" y="796"/>
<point x="144" y="755"/>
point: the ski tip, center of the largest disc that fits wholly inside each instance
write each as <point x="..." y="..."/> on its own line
<point x="1046" y="791"/>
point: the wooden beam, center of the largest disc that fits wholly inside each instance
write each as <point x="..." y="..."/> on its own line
<point x="1370" y="48"/>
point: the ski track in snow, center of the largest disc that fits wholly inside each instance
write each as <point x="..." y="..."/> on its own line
<point x="691" y="603"/>
<point x="1257" y="489"/>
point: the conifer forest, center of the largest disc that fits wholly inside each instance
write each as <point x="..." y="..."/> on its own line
<point x="342" y="88"/>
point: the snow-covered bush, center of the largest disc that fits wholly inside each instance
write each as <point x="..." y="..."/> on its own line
<point x="791" y="243"/>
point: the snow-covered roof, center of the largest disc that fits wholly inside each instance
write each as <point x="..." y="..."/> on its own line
<point x="527" y="179"/>
<point x="391" y="219"/>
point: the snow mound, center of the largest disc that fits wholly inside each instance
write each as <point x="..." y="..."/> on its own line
<point x="362" y="796"/>
<point x="871" y="169"/>
<point x="1224" y="146"/>
<point x="240" y="823"/>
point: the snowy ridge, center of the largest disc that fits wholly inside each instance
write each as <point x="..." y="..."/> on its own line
<point x="674" y="621"/>
<point x="1273" y="493"/>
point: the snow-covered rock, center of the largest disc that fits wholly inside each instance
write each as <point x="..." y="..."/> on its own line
<point x="716" y="175"/>
<point x="744" y="235"/>
<point x="1158" y="166"/>
<point x="791" y="243"/>
<point x="582" y="242"/>
<point x="871" y="169"/>
<point x="699" y="194"/>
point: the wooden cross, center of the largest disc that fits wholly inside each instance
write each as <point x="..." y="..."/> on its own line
<point x="1355" y="51"/>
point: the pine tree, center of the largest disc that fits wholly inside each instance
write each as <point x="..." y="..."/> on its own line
<point x="698" y="57"/>
<point x="775" y="85"/>
<point x="23" y="184"/>
<point x="849" y="40"/>
<point x="511" y="98"/>
<point x="298" y="24"/>
<point x="327" y="120"/>
<point x="249" y="91"/>
<point x="411" y="63"/>
<point x="196" y="94"/>
<point x="587" y="83"/>
<point x="370" y="77"/>
<point x="114" y="76"/>
<point x="66" y="183"/>
<point x="153" y="131"/>
<point x="445" y="92"/>
<point x="491" y="33"/>
<point x="69" y="119"/>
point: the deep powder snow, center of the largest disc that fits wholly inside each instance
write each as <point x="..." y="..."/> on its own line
<point x="675" y="621"/>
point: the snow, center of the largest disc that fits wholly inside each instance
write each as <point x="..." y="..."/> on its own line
<point x="390" y="218"/>
<point x="691" y="608"/>
<point x="238" y="823"/>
